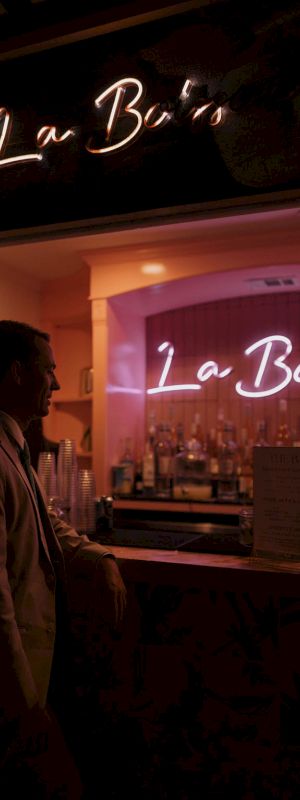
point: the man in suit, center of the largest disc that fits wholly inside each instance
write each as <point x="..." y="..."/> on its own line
<point x="39" y="553"/>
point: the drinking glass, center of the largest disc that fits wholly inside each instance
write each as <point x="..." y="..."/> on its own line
<point x="46" y="471"/>
<point x="86" y="493"/>
<point x="67" y="478"/>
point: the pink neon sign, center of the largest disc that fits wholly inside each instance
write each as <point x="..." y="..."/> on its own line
<point x="268" y="363"/>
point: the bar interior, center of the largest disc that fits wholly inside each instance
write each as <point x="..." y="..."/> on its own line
<point x="159" y="246"/>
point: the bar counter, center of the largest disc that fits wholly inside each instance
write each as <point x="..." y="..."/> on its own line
<point x="250" y="563"/>
<point x="198" y="695"/>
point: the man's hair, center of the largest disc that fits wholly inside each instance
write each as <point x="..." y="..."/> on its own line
<point x="17" y="343"/>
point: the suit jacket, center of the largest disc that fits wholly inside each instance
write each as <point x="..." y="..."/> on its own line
<point x="27" y="585"/>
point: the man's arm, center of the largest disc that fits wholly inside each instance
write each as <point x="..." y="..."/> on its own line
<point x="94" y="562"/>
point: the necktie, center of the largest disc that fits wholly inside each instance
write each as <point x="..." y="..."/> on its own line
<point x="50" y="539"/>
<point x="25" y="461"/>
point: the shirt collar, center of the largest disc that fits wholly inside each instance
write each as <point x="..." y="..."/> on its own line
<point x="12" y="428"/>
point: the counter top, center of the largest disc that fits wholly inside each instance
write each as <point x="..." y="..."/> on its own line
<point x="209" y="560"/>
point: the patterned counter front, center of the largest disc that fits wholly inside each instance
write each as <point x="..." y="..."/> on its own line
<point x="198" y="697"/>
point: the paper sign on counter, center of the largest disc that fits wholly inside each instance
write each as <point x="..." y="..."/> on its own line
<point x="277" y="502"/>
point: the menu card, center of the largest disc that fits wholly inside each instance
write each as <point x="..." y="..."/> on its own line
<point x="277" y="502"/>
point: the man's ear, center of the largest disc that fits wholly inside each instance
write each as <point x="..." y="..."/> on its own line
<point x="16" y="372"/>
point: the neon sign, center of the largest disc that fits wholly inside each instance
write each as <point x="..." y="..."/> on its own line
<point x="119" y="106"/>
<point x="174" y="387"/>
<point x="211" y="369"/>
<point x="4" y="138"/>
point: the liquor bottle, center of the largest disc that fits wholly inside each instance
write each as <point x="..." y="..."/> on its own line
<point x="152" y="430"/>
<point x="195" y="450"/>
<point x="228" y="489"/>
<point x="148" y="470"/>
<point x="191" y="478"/>
<point x="213" y="464"/>
<point x="229" y="452"/>
<point x="180" y="445"/>
<point x="213" y="452"/>
<point x="283" y="437"/>
<point x="127" y="463"/>
<point x="138" y="485"/>
<point x="220" y="428"/>
<point x="164" y="469"/>
<point x="172" y="431"/>
<point x="243" y="440"/>
<point x="245" y="477"/>
<point x="193" y="444"/>
<point x="249" y="431"/>
<point x="198" y="431"/>
<point x="262" y="437"/>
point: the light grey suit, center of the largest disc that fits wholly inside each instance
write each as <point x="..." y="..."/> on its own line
<point x="27" y="585"/>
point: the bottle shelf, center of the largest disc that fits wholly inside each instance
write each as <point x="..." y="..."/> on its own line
<point x="178" y="506"/>
<point x="212" y="501"/>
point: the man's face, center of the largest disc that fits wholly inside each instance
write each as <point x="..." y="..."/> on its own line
<point x="39" y="379"/>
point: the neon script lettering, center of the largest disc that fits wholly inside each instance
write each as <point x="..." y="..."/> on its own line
<point x="268" y="365"/>
<point x="6" y="121"/>
<point x="123" y="99"/>
<point x="153" y="118"/>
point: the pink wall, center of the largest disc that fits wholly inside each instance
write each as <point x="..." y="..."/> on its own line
<point x="126" y="378"/>
<point x="119" y="384"/>
<point x="221" y="331"/>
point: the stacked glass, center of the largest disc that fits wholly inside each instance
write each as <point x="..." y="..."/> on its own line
<point x="67" y="478"/>
<point x="86" y="492"/>
<point x="47" y="473"/>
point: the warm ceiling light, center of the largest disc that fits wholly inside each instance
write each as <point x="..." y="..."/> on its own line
<point x="153" y="269"/>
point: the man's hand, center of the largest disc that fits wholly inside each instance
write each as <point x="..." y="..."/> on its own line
<point x="113" y="591"/>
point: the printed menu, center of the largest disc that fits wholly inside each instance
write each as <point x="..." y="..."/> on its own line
<point x="277" y="502"/>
